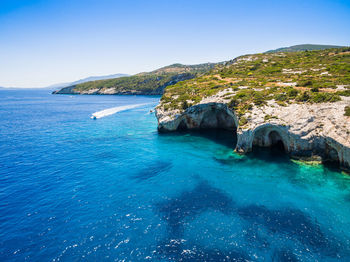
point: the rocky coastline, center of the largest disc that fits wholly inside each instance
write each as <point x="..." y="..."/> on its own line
<point x="106" y="91"/>
<point x="312" y="132"/>
<point x="296" y="101"/>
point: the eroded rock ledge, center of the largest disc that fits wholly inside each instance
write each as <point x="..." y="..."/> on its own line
<point x="306" y="131"/>
<point x="201" y="116"/>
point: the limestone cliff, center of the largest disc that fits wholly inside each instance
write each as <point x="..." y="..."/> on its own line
<point x="300" y="101"/>
<point x="308" y="131"/>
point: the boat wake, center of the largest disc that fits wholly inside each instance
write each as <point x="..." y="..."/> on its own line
<point x="113" y="110"/>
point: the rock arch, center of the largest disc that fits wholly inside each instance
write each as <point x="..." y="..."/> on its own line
<point x="330" y="154"/>
<point x="275" y="140"/>
<point x="208" y="116"/>
<point x="271" y="136"/>
<point x="214" y="121"/>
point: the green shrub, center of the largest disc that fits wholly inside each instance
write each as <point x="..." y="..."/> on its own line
<point x="335" y="98"/>
<point x="344" y="93"/>
<point x="185" y="105"/>
<point x="280" y="97"/>
<point x="267" y="117"/>
<point x="243" y="121"/>
<point x="314" y="89"/>
<point x="324" y="84"/>
<point x="272" y="70"/>
<point x="324" y="97"/>
<point x="305" y="83"/>
<point x="303" y="97"/>
<point x="255" y="66"/>
<point x="259" y="98"/>
<point x="241" y="94"/>
<point x="281" y="103"/>
<point x="248" y="107"/>
<point x="233" y="103"/>
<point x="292" y="93"/>
<point x="347" y="111"/>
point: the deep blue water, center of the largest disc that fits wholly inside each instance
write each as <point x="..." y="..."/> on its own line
<point x="113" y="189"/>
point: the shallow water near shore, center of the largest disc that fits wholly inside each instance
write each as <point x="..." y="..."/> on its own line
<point x="113" y="189"/>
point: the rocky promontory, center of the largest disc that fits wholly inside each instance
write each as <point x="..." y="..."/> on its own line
<point x="302" y="105"/>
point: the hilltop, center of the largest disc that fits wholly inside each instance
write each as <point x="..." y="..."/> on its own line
<point x="87" y="79"/>
<point x="304" y="47"/>
<point x="148" y="83"/>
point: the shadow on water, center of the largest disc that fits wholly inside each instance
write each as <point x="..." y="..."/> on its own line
<point x="271" y="154"/>
<point x="188" y="206"/>
<point x="275" y="153"/>
<point x="229" y="160"/>
<point x="223" y="137"/>
<point x="347" y="197"/>
<point x="332" y="166"/>
<point x="286" y="223"/>
<point x="291" y="222"/>
<point x="153" y="169"/>
<point x="284" y="255"/>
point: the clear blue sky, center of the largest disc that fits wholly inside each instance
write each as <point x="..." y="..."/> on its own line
<point x="43" y="42"/>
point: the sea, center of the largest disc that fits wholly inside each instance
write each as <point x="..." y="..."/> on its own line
<point x="73" y="188"/>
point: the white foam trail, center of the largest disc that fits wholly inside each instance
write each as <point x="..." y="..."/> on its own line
<point x="113" y="110"/>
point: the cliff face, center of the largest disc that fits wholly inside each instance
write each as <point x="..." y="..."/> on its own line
<point x="306" y="131"/>
<point x="201" y="116"/>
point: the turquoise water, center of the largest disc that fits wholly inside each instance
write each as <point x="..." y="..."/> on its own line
<point x="113" y="189"/>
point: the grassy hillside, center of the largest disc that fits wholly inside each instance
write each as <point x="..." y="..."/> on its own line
<point x="291" y="77"/>
<point x="151" y="83"/>
<point x="305" y="47"/>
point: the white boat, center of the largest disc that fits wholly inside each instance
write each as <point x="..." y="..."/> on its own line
<point x="113" y="110"/>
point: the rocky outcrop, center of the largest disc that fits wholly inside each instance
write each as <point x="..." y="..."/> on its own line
<point x="307" y="131"/>
<point x="201" y="116"/>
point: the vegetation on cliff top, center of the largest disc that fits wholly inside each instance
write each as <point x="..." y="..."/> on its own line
<point x="152" y="83"/>
<point x="291" y="77"/>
